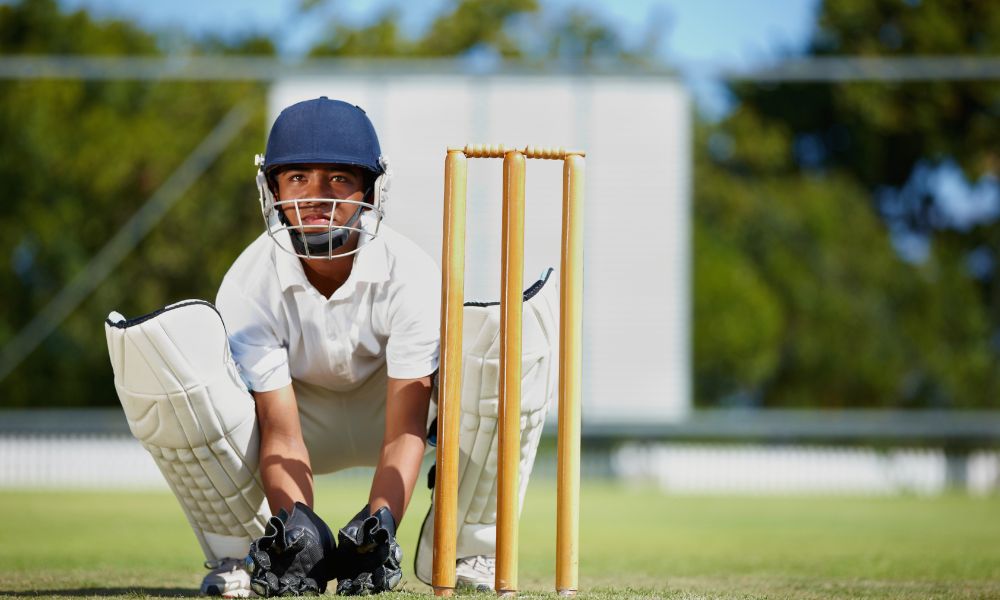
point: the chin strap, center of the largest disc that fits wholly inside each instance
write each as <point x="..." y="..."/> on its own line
<point x="321" y="244"/>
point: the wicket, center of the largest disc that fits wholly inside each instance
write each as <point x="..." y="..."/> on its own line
<point x="570" y="355"/>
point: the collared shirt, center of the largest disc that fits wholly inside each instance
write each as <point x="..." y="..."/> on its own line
<point x="280" y="327"/>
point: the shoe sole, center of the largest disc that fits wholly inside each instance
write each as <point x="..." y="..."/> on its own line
<point x="213" y="590"/>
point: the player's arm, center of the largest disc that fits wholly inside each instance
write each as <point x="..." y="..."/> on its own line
<point x="371" y="534"/>
<point x="406" y="405"/>
<point x="284" y="461"/>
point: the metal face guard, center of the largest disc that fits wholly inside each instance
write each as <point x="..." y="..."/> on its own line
<point x="322" y="240"/>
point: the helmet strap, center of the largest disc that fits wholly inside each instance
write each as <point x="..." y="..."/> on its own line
<point x="320" y="244"/>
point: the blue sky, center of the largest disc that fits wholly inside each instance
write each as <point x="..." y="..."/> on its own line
<point x="700" y="33"/>
<point x="702" y="36"/>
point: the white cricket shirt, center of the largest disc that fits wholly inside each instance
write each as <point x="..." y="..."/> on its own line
<point x="280" y="327"/>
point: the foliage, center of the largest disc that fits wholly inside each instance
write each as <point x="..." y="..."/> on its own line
<point x="79" y="158"/>
<point x="818" y="187"/>
<point x="512" y="29"/>
<point x="737" y="319"/>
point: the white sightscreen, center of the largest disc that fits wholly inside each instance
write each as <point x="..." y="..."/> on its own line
<point x="636" y="132"/>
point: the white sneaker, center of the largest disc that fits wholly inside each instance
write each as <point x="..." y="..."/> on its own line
<point x="476" y="572"/>
<point x="226" y="578"/>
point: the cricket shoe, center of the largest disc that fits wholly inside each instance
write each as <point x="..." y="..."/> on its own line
<point x="476" y="572"/>
<point x="226" y="578"/>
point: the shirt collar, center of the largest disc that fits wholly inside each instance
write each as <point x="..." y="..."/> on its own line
<point x="286" y="264"/>
<point x="371" y="263"/>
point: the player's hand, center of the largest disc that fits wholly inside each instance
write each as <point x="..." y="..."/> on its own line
<point x="292" y="557"/>
<point x="369" y="558"/>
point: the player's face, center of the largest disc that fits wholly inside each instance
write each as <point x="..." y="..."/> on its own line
<point x="340" y="182"/>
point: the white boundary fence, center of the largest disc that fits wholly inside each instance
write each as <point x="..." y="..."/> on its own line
<point x="76" y="461"/>
<point x="759" y="469"/>
<point x="94" y="450"/>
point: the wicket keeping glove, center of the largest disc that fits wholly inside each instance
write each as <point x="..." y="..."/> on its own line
<point x="292" y="557"/>
<point x="369" y="558"/>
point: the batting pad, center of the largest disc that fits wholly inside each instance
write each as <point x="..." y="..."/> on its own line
<point x="185" y="401"/>
<point x="478" y="434"/>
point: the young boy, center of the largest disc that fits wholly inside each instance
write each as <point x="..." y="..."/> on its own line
<point x="332" y="316"/>
<point x="333" y="321"/>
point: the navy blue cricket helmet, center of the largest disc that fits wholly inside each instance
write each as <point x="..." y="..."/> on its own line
<point x="323" y="131"/>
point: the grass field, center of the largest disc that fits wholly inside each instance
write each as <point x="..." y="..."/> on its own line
<point x="636" y="543"/>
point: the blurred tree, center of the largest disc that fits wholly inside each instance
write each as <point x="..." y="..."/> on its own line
<point x="475" y="23"/>
<point x="511" y="29"/>
<point x="382" y="38"/>
<point x="821" y="186"/>
<point x="738" y="322"/>
<point x="829" y="314"/>
<point x="78" y="158"/>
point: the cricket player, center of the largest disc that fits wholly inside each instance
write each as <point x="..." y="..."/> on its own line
<point x="320" y="354"/>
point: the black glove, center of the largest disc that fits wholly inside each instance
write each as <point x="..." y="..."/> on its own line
<point x="369" y="558"/>
<point x="292" y="557"/>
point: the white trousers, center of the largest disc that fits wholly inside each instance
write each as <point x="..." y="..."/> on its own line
<point x="343" y="429"/>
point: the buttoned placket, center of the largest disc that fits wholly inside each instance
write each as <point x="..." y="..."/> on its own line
<point x="336" y="340"/>
<point x="339" y="334"/>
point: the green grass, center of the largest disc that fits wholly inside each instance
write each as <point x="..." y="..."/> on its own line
<point x="636" y="543"/>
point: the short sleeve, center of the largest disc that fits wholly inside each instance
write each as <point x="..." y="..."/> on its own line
<point x="260" y="353"/>
<point x="414" y="324"/>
